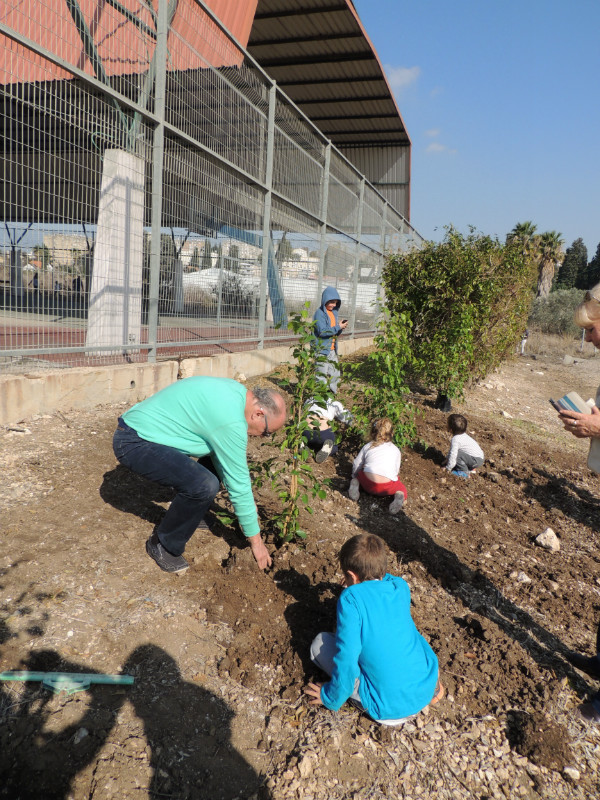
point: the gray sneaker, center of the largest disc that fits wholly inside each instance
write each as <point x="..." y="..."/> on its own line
<point x="163" y="558"/>
<point x="324" y="452"/>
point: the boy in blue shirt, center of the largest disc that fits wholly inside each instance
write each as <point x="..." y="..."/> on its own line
<point x="377" y="658"/>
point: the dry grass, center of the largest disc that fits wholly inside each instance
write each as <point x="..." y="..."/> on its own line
<point x="552" y="344"/>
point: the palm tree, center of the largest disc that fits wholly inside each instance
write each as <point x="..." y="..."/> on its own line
<point x="525" y="232"/>
<point x="549" y="252"/>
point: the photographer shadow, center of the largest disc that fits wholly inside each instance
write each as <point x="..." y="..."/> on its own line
<point x="186" y="728"/>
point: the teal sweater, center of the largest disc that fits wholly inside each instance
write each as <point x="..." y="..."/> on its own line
<point x="203" y="416"/>
<point x="378" y="642"/>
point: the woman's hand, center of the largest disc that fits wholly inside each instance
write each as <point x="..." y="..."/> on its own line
<point x="583" y="426"/>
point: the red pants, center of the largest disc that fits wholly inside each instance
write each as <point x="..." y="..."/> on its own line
<point x="380" y="489"/>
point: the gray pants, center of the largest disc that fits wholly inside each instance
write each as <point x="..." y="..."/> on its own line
<point x="466" y="463"/>
<point x="322" y="651"/>
<point x="329" y="372"/>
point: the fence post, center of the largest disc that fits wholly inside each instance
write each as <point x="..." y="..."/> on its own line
<point x="158" y="150"/>
<point x="266" y="239"/>
<point x="378" y="290"/>
<point x="324" y="203"/>
<point x="361" y="202"/>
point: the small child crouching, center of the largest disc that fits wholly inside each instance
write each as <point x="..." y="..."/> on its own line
<point x="320" y="437"/>
<point x="377" y="657"/>
<point x="465" y="454"/>
<point x="377" y="465"/>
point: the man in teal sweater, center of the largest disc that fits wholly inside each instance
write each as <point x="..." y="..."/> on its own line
<point x="199" y="417"/>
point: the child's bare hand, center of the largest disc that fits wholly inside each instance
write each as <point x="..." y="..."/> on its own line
<point x="314" y="690"/>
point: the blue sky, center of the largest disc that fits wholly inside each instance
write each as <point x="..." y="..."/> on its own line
<point x="501" y="99"/>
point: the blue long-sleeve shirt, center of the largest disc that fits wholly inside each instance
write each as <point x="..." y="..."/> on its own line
<point x="378" y="642"/>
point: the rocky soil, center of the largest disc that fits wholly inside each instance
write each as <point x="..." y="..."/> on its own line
<point x="220" y="655"/>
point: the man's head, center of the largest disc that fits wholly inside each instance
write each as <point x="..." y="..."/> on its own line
<point x="363" y="558"/>
<point x="265" y="411"/>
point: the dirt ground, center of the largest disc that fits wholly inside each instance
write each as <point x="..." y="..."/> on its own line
<point x="220" y="655"/>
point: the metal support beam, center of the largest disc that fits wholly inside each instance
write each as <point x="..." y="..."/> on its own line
<point x="357" y="254"/>
<point x="157" y="173"/>
<point x="324" y="204"/>
<point x="266" y="239"/>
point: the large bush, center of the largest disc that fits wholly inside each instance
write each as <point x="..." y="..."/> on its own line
<point x="465" y="302"/>
<point x="554" y="314"/>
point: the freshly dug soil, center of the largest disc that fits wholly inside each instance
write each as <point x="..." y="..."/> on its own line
<point x="220" y="655"/>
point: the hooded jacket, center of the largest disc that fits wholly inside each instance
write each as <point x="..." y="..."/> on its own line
<point x="323" y="328"/>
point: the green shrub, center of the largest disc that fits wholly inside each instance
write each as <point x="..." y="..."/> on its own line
<point x="465" y="301"/>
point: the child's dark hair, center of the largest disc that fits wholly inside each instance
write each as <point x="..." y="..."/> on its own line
<point x="457" y="424"/>
<point x="365" y="555"/>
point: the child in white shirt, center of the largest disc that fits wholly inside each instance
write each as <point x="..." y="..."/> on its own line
<point x="322" y="439"/>
<point x="377" y="465"/>
<point x="465" y="454"/>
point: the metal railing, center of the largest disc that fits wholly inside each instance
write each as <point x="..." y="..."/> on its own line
<point x="161" y="197"/>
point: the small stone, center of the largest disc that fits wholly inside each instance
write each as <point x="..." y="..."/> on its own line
<point x="572" y="774"/>
<point x="522" y="577"/>
<point x="506" y="415"/>
<point x="548" y="540"/>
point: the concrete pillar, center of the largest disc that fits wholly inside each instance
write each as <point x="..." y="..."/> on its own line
<point x="115" y="304"/>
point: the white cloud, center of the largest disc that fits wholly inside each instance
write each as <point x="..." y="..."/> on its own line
<point x="400" y="78"/>
<point x="432" y="133"/>
<point x="438" y="147"/>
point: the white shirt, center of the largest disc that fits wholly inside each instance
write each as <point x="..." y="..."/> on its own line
<point x="383" y="459"/>
<point x="333" y="410"/>
<point x="467" y="445"/>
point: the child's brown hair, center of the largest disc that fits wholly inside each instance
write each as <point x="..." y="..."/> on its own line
<point x="382" y="431"/>
<point x="457" y="424"/>
<point x="365" y="555"/>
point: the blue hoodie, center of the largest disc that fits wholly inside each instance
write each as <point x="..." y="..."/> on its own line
<point x="323" y="328"/>
<point x="378" y="642"/>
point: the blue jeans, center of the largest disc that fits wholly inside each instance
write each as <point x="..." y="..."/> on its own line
<point x="196" y="486"/>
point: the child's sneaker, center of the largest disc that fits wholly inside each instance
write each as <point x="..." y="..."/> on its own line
<point x="324" y="452"/>
<point x="397" y="503"/>
<point x="460" y="473"/>
<point x="354" y="489"/>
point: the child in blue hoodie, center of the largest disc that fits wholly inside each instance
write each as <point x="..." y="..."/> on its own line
<point x="377" y="657"/>
<point x="327" y="328"/>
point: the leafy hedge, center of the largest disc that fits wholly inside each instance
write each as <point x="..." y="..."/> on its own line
<point x="464" y="304"/>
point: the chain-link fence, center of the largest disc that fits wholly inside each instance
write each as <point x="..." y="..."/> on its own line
<point x="161" y="197"/>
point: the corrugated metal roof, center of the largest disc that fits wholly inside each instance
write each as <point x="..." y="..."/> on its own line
<point x="321" y="57"/>
<point x="124" y="37"/>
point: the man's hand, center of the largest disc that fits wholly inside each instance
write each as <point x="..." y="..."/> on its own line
<point x="260" y="552"/>
<point x="314" y="690"/>
<point x="583" y="426"/>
